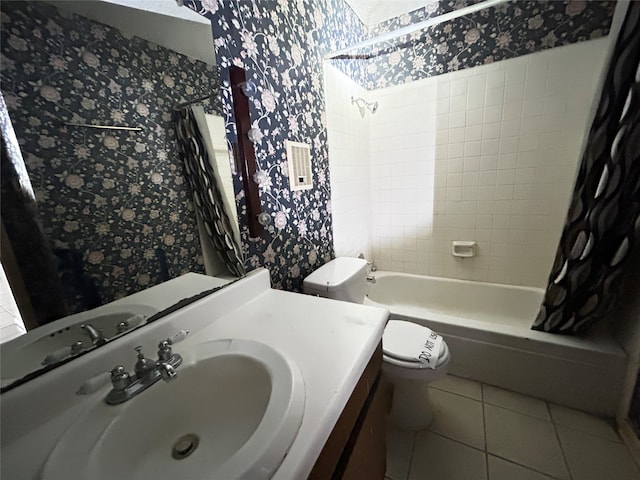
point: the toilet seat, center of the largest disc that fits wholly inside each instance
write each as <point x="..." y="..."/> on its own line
<point x="398" y="336"/>
<point x="442" y="360"/>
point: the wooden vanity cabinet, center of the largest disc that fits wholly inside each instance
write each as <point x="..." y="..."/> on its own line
<point x="356" y="448"/>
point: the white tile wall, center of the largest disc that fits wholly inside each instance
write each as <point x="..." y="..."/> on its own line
<point x="486" y="154"/>
<point x="348" y="135"/>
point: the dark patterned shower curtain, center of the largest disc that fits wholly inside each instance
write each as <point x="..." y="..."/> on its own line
<point x="603" y="221"/>
<point x="26" y="243"/>
<point x="208" y="200"/>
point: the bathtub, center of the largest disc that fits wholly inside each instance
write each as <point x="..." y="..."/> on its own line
<point x="488" y="329"/>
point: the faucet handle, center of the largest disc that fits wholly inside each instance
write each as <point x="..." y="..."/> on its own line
<point x="122" y="326"/>
<point x="177" y="337"/>
<point x="167" y="372"/>
<point x="120" y="378"/>
<point x="143" y="365"/>
<point x="164" y="350"/>
<point x="94" y="384"/>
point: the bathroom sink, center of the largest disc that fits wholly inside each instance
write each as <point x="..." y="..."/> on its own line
<point x="53" y="341"/>
<point x="232" y="412"/>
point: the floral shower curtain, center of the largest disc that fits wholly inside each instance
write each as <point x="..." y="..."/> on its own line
<point x="603" y="222"/>
<point x="206" y="192"/>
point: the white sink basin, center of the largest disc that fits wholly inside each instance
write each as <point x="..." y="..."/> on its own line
<point x="26" y="353"/>
<point x="232" y="412"/>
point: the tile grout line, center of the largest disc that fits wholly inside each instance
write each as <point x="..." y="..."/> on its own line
<point x="584" y="432"/>
<point x="458" y="394"/>
<point x="454" y="440"/>
<point x="519" y="412"/>
<point x="486" y="446"/>
<point x="555" y="430"/>
<point x="486" y="452"/>
<point x="484" y="429"/>
<point x="549" y="419"/>
<point x="413" y="452"/>
<point x="510" y="460"/>
<point x="526" y="467"/>
<point x="589" y="434"/>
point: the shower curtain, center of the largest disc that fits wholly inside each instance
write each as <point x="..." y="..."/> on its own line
<point x="603" y="222"/>
<point x="25" y="241"/>
<point x="207" y="196"/>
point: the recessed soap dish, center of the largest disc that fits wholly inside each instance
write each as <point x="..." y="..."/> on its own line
<point x="464" y="249"/>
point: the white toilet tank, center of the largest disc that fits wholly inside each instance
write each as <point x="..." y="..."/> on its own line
<point x="343" y="278"/>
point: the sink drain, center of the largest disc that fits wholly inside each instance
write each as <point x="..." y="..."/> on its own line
<point x="185" y="446"/>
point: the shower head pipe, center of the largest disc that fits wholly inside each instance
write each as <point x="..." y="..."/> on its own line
<point x="361" y="103"/>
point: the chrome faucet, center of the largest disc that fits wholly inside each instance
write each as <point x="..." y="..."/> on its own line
<point x="144" y="365"/>
<point x="370" y="265"/>
<point x="146" y="372"/>
<point x="371" y="279"/>
<point x="96" y="336"/>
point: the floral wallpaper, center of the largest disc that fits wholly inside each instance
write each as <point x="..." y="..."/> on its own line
<point x="115" y="204"/>
<point x="281" y="44"/>
<point x="490" y="35"/>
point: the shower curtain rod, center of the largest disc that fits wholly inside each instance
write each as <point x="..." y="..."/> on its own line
<point x="418" y="26"/>
<point x="103" y="127"/>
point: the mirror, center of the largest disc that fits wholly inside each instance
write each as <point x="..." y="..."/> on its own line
<point x="115" y="219"/>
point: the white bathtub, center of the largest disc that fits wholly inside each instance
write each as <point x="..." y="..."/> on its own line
<point x="488" y="329"/>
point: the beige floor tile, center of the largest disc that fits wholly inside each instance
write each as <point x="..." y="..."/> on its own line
<point x="584" y="422"/>
<point x="515" y="401"/>
<point x="500" y="469"/>
<point x="461" y="386"/>
<point x="458" y="418"/>
<point x="595" y="458"/>
<point x="399" y="451"/>
<point x="525" y="440"/>
<point x="436" y="457"/>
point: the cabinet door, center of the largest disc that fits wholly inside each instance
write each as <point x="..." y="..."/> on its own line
<point x="334" y="459"/>
<point x="368" y="457"/>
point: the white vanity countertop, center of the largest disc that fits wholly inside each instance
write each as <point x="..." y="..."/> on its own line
<point x="330" y="342"/>
<point x="167" y="293"/>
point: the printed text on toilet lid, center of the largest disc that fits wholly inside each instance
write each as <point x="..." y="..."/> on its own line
<point x="431" y="349"/>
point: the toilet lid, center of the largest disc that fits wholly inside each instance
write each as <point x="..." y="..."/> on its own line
<point x="399" y="340"/>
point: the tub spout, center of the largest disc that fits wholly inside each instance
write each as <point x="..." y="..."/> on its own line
<point x="371" y="279"/>
<point x="95" y="335"/>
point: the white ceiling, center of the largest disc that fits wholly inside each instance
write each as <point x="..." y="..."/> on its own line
<point x="158" y="21"/>
<point x="372" y="12"/>
<point x="184" y="31"/>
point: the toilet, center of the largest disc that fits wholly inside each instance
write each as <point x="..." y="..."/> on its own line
<point x="345" y="278"/>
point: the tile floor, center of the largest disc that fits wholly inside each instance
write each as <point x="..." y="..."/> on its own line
<point x="480" y="432"/>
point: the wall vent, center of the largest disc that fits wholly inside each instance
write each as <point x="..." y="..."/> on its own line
<point x="299" y="160"/>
